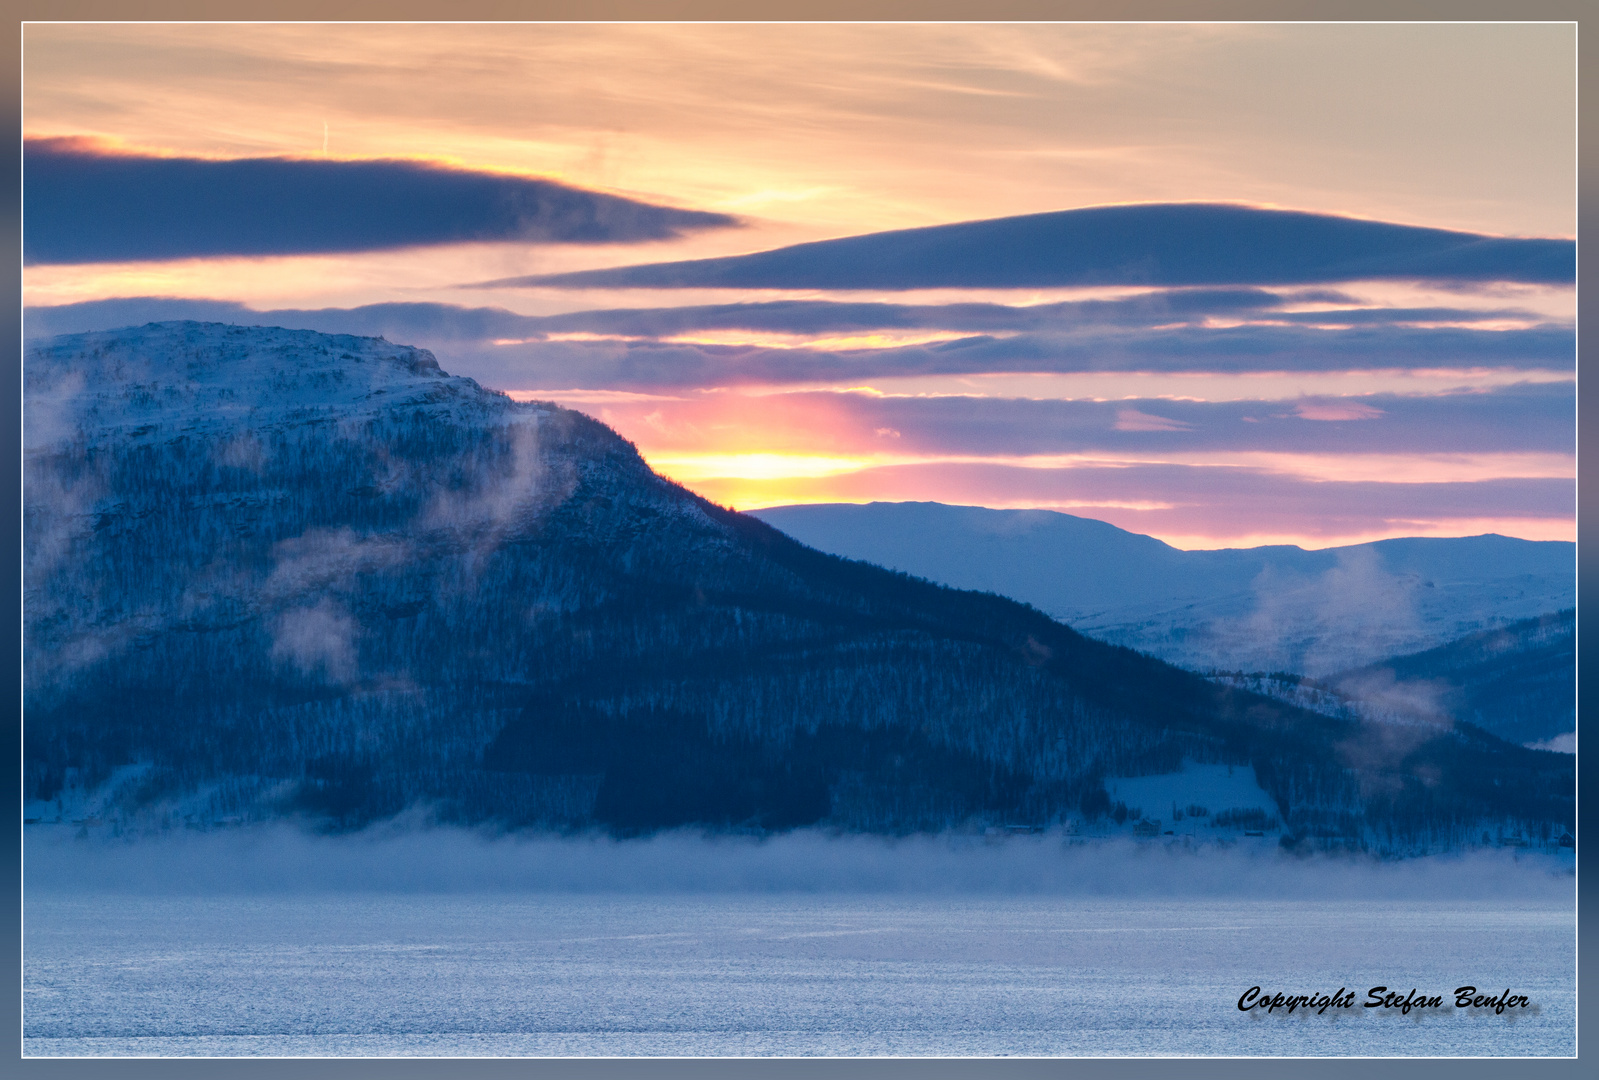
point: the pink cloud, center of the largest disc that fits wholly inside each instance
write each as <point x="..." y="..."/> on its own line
<point x="1346" y="411"/>
<point x="1133" y="420"/>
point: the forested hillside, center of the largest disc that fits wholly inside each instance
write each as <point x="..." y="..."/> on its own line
<point x="302" y="575"/>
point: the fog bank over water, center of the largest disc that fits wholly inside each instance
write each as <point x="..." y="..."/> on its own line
<point x="283" y="859"/>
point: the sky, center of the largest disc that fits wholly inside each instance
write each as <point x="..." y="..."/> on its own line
<point x="1221" y="284"/>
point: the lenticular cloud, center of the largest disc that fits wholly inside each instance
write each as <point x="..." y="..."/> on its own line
<point x="1155" y="244"/>
<point x="86" y="206"/>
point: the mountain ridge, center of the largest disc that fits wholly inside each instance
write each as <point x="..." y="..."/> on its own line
<point x="1272" y="608"/>
<point x="302" y="575"/>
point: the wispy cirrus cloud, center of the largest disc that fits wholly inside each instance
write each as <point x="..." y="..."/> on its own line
<point x="1135" y="420"/>
<point x="86" y="204"/>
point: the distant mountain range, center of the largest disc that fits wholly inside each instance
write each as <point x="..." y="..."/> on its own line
<point x="276" y="573"/>
<point x="1278" y="608"/>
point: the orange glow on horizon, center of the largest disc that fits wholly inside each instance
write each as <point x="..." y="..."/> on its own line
<point x="1171" y="523"/>
<point x="811" y="132"/>
<point x="1164" y="521"/>
<point x="1326" y="467"/>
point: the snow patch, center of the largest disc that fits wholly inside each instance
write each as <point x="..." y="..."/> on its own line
<point x="1216" y="789"/>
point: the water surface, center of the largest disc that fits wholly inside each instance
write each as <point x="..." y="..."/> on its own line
<point x="730" y="973"/>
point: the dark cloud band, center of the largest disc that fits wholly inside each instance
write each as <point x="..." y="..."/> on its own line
<point x="1165" y="244"/>
<point x="81" y="206"/>
<point x="1097" y="336"/>
<point x="627" y="365"/>
<point x="782" y="316"/>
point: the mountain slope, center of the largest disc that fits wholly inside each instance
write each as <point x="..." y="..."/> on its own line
<point x="1257" y="609"/>
<point x="299" y="574"/>
<point x="1519" y="681"/>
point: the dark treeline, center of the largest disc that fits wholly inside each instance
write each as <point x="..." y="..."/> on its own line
<point x="426" y="594"/>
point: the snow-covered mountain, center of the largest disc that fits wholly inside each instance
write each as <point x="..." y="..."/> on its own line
<point x="275" y="572"/>
<point x="1277" y="608"/>
<point x="1518" y="682"/>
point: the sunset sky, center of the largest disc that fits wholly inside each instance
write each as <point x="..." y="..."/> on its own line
<point x="1196" y="372"/>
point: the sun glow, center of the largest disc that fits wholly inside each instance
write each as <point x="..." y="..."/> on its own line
<point x="837" y="131"/>
<point x="1345" y="468"/>
<point x="754" y="466"/>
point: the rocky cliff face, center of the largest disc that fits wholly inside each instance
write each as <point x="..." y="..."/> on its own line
<point x="289" y="573"/>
